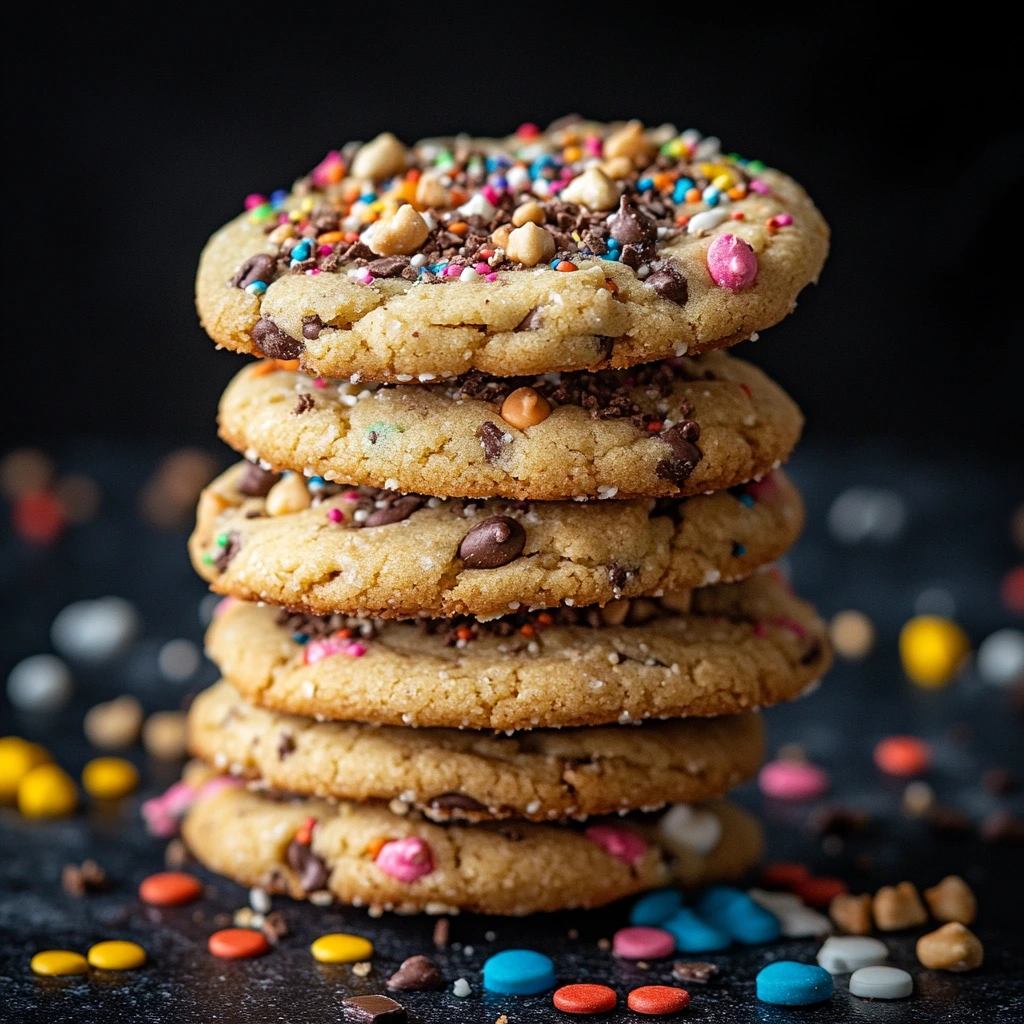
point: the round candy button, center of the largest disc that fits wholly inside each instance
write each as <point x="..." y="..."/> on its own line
<point x="170" y="888"/>
<point x="657" y="1000"/>
<point x="339" y="948"/>
<point x="519" y="972"/>
<point x="238" y="943"/>
<point x="584" y="999"/>
<point x="59" y="963"/>
<point x="643" y="943"/>
<point x="116" y="955"/>
<point x="788" y="983"/>
<point x="881" y="983"/>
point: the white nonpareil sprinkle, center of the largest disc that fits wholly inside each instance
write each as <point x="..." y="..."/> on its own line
<point x="461" y="988"/>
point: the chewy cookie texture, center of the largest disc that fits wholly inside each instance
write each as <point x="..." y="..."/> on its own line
<point x="584" y="246"/>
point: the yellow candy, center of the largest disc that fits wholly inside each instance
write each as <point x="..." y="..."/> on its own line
<point x="47" y="791"/>
<point x="17" y="758"/>
<point x="933" y="650"/>
<point x="55" y="963"/>
<point x="115" y="955"/>
<point x="339" y="948"/>
<point x="723" y="181"/>
<point x="108" y="778"/>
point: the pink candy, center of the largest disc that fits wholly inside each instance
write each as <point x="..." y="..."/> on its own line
<point x="792" y="780"/>
<point x="758" y="186"/>
<point x="491" y="194"/>
<point x="618" y="842"/>
<point x="732" y="263"/>
<point x="328" y="170"/>
<point x="253" y="200"/>
<point x="317" y="650"/>
<point x="335" y="515"/>
<point x="782" y="220"/>
<point x="163" y="813"/>
<point x="643" y="943"/>
<point x="222" y="606"/>
<point x="405" y="859"/>
<point x="763" y="488"/>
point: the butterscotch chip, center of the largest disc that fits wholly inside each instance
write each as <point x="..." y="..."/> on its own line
<point x="851" y="914"/>
<point x="898" y="906"/>
<point x="950" y="948"/>
<point x="952" y="900"/>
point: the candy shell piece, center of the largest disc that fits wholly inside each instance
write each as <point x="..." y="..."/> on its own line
<point x="658" y="1000"/>
<point x="881" y="983"/>
<point x="655" y="908"/>
<point x="843" y="954"/>
<point x="341" y="948"/>
<point x="238" y="943"/>
<point x="59" y="963"/>
<point x="693" y="935"/>
<point x="643" y="943"/>
<point x="584" y="999"/>
<point x="170" y="889"/>
<point x="788" y="983"/>
<point x="116" y="955"/>
<point x="519" y="972"/>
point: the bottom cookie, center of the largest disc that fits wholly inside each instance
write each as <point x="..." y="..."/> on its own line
<point x="365" y="855"/>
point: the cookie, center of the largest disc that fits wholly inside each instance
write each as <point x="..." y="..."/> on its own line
<point x="456" y="774"/>
<point x="322" y="548"/>
<point x="660" y="430"/>
<point x="586" y="246"/>
<point x="365" y="855"/>
<point x="743" y="645"/>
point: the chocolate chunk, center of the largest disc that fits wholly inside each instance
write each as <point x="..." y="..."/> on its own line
<point x="395" y="511"/>
<point x="442" y="928"/>
<point x="275" y="926"/>
<point x="256" y="481"/>
<point x="618" y="576"/>
<point x="77" y="880"/>
<point x="233" y="546"/>
<point x="256" y="268"/>
<point x="389" y="266"/>
<point x="456" y="802"/>
<point x="273" y="342"/>
<point x="630" y="225"/>
<point x="493" y="439"/>
<point x="374" y="1010"/>
<point x="667" y="281"/>
<point x="685" y="454"/>
<point x="812" y="654"/>
<point x="285" y="746"/>
<point x="415" y="975"/>
<point x="307" y="865"/>
<point x="304" y="403"/>
<point x="496" y="541"/>
<point x="530" y="322"/>
<point x="694" y="971"/>
<point x="311" y="327"/>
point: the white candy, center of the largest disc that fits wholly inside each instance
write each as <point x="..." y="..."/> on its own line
<point x="881" y="983"/>
<point x="797" y="920"/>
<point x="842" y="954"/>
<point x="39" y="683"/>
<point x="697" y="831"/>
<point x="95" y="630"/>
<point x="706" y="221"/>
<point x="461" y="988"/>
<point x="478" y="206"/>
<point x="178" y="660"/>
<point x="866" y="513"/>
<point x="1001" y="657"/>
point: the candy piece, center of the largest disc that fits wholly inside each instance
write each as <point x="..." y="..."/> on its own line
<point x="519" y="972"/>
<point x="170" y="889"/>
<point x="1001" y="657"/>
<point x="405" y="859"/>
<point x="373" y="1010"/>
<point x="819" y="892"/>
<point x="796" y="919"/>
<point x="842" y="954"/>
<point x="788" y="983"/>
<point x="933" y="649"/>
<point x="694" y="971"/>
<point x="492" y="543"/>
<point x="694" y="935"/>
<point x="952" y="900"/>
<point x="732" y="263"/>
<point x="792" y="780"/>
<point x="416" y="974"/>
<point x="691" y="829"/>
<point x="658" y="1000"/>
<point x="109" y="778"/>
<point x="116" y="955"/>
<point x="732" y="911"/>
<point x="341" y="948"/>
<point x="643" y="943"/>
<point x="851" y="914"/>
<point x="881" y="983"/>
<point x="950" y="948"/>
<point x="525" y="408"/>
<point x="898" y="906"/>
<point x="17" y="758"/>
<point x="41" y="682"/>
<point x="618" y="842"/>
<point x="852" y="634"/>
<point x="95" y="630"/>
<point x="47" y="791"/>
<point x="114" y="724"/>
<point x="59" y="963"/>
<point x="38" y="517"/>
<point x="784" y="874"/>
<point x="655" y="908"/>
<point x="584" y="998"/>
<point x="237" y="943"/>
<point x="903" y="756"/>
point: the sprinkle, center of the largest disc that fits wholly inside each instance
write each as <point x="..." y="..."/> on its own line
<point x="618" y="842"/>
<point x="335" y="515"/>
<point x="792" y="780"/>
<point x="405" y="859"/>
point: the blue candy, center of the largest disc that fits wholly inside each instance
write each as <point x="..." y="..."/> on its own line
<point x="519" y="972"/>
<point x="655" y="908"/>
<point x="682" y="186"/>
<point x="788" y="983"/>
<point x="732" y="911"/>
<point x="302" y="250"/>
<point x="693" y="935"/>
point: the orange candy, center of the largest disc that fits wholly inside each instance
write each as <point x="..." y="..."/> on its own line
<point x="584" y="998"/>
<point x="525" y="408"/>
<point x="656" y="1000"/>
<point x="238" y="943"/>
<point x="903" y="756"/>
<point x="170" y="889"/>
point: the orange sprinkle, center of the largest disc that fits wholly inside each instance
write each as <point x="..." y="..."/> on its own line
<point x="565" y="266"/>
<point x="458" y="196"/>
<point x="654" y="427"/>
<point x="693" y="195"/>
<point x="571" y="154"/>
<point x="413" y="174"/>
<point x="374" y="846"/>
<point x="351" y="193"/>
<point x="903" y="756"/>
<point x="330" y="237"/>
<point x="663" y="181"/>
<point x="458" y="227"/>
<point x="737" y="192"/>
<point x="545" y="618"/>
<point x="611" y="286"/>
<point x="265" y="366"/>
<point x="738" y="215"/>
<point x="305" y="832"/>
<point x="464" y="633"/>
<point x="342" y="634"/>
<point x="526" y="629"/>
<point x="683" y="219"/>
<point x="772" y="227"/>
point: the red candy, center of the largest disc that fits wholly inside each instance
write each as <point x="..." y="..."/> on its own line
<point x="655" y="1000"/>
<point x="584" y="999"/>
<point x="170" y="889"/>
<point x="819" y="892"/>
<point x="903" y="756"/>
<point x="38" y="517"/>
<point x="784" y="874"/>
<point x="238" y="943"/>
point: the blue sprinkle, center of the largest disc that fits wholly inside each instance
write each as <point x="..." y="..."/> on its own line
<point x="538" y="165"/>
<point x="300" y="638"/>
<point x="256" y="288"/>
<point x="788" y="983"/>
<point x="747" y="500"/>
<point x="613" y="243"/>
<point x="682" y="186"/>
<point x="497" y="163"/>
<point x="554" y="263"/>
<point x="436" y="268"/>
<point x="277" y="198"/>
<point x="738" y="550"/>
<point x="613" y="256"/>
<point x="656" y="907"/>
<point x="732" y="911"/>
<point x="314" y="483"/>
<point x="693" y="935"/>
<point x="644" y="184"/>
<point x="370" y="197"/>
<point x="519" y="972"/>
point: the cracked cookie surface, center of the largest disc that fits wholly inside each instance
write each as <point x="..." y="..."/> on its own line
<point x="364" y="552"/>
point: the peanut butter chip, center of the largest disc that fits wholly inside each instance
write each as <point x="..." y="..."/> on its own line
<point x="525" y="408"/>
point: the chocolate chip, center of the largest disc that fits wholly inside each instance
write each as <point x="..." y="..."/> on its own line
<point x="285" y="746"/>
<point x="273" y="342"/>
<point x="442" y="929"/>
<point x="77" y="880"/>
<point x="389" y="266"/>
<point x="256" y="268"/>
<point x="307" y="865"/>
<point x="530" y="322"/>
<point x="493" y="439"/>
<point x="304" y="403"/>
<point x="256" y="481"/>
<point x="667" y="281"/>
<point x="230" y="549"/>
<point x="694" y="971"/>
<point x="395" y="511"/>
<point x="456" y="802"/>
<point x="630" y="225"/>
<point x="618" y="576"/>
<point x="685" y="455"/>
<point x="374" y="1010"/>
<point x="496" y="541"/>
<point x="311" y="327"/>
<point x="415" y="975"/>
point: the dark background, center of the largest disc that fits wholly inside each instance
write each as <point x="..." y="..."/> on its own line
<point x="130" y="146"/>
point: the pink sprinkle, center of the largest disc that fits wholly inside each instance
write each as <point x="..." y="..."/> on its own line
<point x="556" y="186"/>
<point x="794" y="627"/>
<point x="352" y="496"/>
<point x="592" y="144"/>
<point x="405" y="859"/>
<point x="162" y="813"/>
<point x="366" y="279"/>
<point x="783" y="220"/>
<point x="326" y="250"/>
<point x="792" y="780"/>
<point x="335" y="515"/>
<point x="222" y="606"/>
<point x="253" y="200"/>
<point x="492" y="277"/>
<point x="566" y="173"/>
<point x="319" y="382"/>
<point x="214" y="786"/>
<point x="763" y="488"/>
<point x="482" y="268"/>
<point x="527" y="130"/>
<point x="328" y="170"/>
<point x="758" y="186"/>
<point x="618" y="842"/>
<point x="355" y="650"/>
<point x="452" y="271"/>
<point x="731" y="263"/>
<point x="283" y="218"/>
<point x="490" y="193"/>
<point x="312" y="272"/>
<point x="643" y="943"/>
<point x="317" y="650"/>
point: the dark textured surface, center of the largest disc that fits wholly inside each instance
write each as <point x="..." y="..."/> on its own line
<point x="956" y="538"/>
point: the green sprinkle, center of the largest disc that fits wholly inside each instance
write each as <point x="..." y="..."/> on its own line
<point x="222" y="540"/>
<point x="207" y="559"/>
<point x="756" y="165"/>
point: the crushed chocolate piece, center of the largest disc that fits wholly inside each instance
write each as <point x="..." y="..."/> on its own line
<point x="492" y="543"/>
<point x="312" y="871"/>
<point x="442" y="929"/>
<point x="456" y="802"/>
<point x="233" y="546"/>
<point x="618" y="576"/>
<point x="694" y="971"/>
<point x="389" y="266"/>
<point x="285" y="746"/>
<point x="630" y="225"/>
<point x="685" y="454"/>
<point x="260" y="267"/>
<point x="493" y="439"/>
<point x="667" y="280"/>
<point x="256" y="481"/>
<point x="311" y="327"/>
<point x="530" y="322"/>
<point x="416" y="974"/>
<point x="275" y="926"/>
<point x="78" y="879"/>
<point x="304" y="404"/>
<point x="176" y="854"/>
<point x="273" y="342"/>
<point x="395" y="511"/>
<point x="373" y="1010"/>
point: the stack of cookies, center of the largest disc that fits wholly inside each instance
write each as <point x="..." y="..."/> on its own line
<point x="499" y="616"/>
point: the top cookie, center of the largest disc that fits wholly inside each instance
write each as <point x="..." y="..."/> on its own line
<point x="585" y="246"/>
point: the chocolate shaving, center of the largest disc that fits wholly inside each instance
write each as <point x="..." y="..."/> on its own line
<point x="233" y="546"/>
<point x="493" y="439"/>
<point x="304" y="404"/>
<point x="273" y="342"/>
<point x="256" y="481"/>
